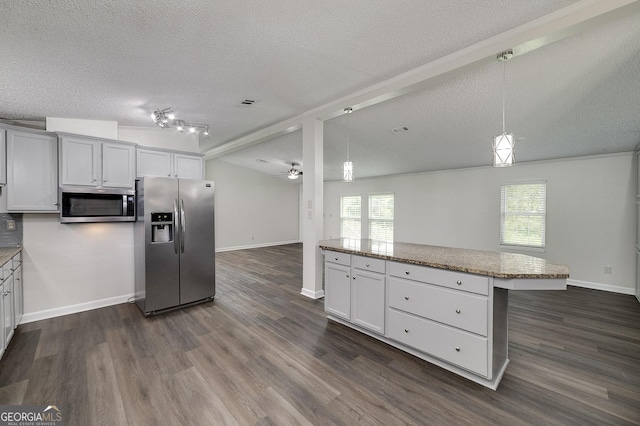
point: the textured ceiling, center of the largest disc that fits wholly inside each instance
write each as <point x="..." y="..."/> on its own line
<point x="119" y="60"/>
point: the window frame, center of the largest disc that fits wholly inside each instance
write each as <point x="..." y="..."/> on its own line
<point x="504" y="214"/>
<point x="342" y="218"/>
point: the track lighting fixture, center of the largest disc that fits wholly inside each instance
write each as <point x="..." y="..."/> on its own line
<point x="165" y="118"/>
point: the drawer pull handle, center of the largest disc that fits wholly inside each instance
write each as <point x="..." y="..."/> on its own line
<point x="406" y="298"/>
<point x="347" y="275"/>
<point x="459" y="282"/>
<point x="336" y="258"/>
<point x="354" y="278"/>
<point x="406" y="330"/>
<point x="457" y="311"/>
<point x="457" y="348"/>
<point x="367" y="265"/>
<point x="406" y="272"/>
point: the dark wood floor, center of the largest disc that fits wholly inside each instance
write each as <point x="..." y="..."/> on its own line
<point x="263" y="354"/>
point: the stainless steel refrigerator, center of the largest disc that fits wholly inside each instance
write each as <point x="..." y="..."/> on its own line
<point x="174" y="243"/>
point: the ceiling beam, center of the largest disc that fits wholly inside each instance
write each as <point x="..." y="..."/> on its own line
<point x="576" y="18"/>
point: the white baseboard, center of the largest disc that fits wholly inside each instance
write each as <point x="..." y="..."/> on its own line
<point x="312" y="294"/>
<point x="280" y="243"/>
<point x="604" y="287"/>
<point x="73" y="309"/>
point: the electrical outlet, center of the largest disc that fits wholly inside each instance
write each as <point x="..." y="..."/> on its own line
<point x="11" y="225"/>
<point x="607" y="269"/>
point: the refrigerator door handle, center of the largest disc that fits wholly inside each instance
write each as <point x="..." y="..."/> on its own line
<point x="183" y="226"/>
<point x="175" y="226"/>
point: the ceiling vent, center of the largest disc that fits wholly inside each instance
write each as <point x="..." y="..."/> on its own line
<point x="260" y="160"/>
<point x="247" y="102"/>
<point x="400" y="129"/>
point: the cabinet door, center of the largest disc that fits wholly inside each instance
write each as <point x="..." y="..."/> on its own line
<point x="118" y="165"/>
<point x="7" y="302"/>
<point x="80" y="162"/>
<point x="18" y="297"/>
<point x="187" y="166"/>
<point x="3" y="160"/>
<point x="153" y="163"/>
<point x="368" y="300"/>
<point x="337" y="290"/>
<point x="32" y="172"/>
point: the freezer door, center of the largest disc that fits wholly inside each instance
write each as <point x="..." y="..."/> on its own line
<point x="162" y="261"/>
<point x="197" y="250"/>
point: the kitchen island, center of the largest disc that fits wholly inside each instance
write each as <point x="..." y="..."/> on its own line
<point x="444" y="305"/>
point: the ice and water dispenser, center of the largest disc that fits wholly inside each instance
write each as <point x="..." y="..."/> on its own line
<point x="161" y="227"/>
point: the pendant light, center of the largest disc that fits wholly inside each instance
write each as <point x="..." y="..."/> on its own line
<point x="347" y="166"/>
<point x="504" y="143"/>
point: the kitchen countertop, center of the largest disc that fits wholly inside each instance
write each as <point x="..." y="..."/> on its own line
<point x="6" y="253"/>
<point x="494" y="264"/>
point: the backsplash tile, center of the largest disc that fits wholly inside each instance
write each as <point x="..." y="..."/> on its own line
<point x="10" y="238"/>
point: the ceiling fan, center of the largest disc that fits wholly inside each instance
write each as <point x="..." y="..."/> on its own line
<point x="293" y="172"/>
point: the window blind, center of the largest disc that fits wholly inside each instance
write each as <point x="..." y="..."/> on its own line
<point x="381" y="212"/>
<point x="523" y="214"/>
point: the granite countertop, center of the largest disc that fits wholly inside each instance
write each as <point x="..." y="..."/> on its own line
<point x="6" y="253"/>
<point x="494" y="264"/>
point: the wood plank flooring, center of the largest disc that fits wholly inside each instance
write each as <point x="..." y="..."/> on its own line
<point x="263" y="354"/>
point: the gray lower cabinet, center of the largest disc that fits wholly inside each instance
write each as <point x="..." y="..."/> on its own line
<point x="8" y="317"/>
<point x="3" y="160"/>
<point x="453" y="319"/>
<point x="355" y="290"/>
<point x="11" y="299"/>
<point x="368" y="293"/>
<point x="32" y="171"/>
<point x="337" y="291"/>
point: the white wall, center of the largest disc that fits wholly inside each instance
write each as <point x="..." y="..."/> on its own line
<point x="97" y="128"/>
<point x="253" y="209"/>
<point x="159" y="138"/>
<point x="590" y="217"/>
<point x="68" y="268"/>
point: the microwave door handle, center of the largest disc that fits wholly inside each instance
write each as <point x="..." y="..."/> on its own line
<point x="175" y="226"/>
<point x="183" y="226"/>
<point x="124" y="205"/>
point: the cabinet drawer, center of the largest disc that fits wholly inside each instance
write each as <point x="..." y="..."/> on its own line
<point x="369" y="264"/>
<point x="7" y="269"/>
<point x="17" y="261"/>
<point x="340" y="258"/>
<point x="457" y="280"/>
<point x="458" y="347"/>
<point x="462" y="310"/>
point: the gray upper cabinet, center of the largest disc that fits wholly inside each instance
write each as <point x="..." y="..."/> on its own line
<point x="187" y="166"/>
<point x="32" y="171"/>
<point x="96" y="162"/>
<point x="156" y="162"/>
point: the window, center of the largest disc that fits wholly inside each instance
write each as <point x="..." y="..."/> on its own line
<point x="522" y="214"/>
<point x="381" y="217"/>
<point x="350" y="213"/>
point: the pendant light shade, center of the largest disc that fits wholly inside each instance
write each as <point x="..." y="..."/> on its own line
<point x="503" y="150"/>
<point x="504" y="143"/>
<point x="347" y="171"/>
<point x="347" y="166"/>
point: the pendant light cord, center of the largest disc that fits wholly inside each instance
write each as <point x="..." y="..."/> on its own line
<point x="504" y="83"/>
<point x="348" y="133"/>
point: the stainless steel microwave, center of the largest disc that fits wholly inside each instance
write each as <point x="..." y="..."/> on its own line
<point x="82" y="205"/>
